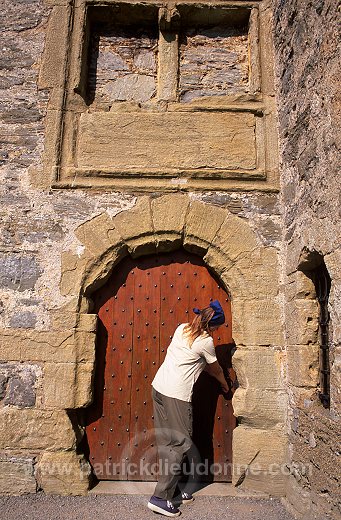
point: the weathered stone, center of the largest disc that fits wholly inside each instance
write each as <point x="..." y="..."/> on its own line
<point x="122" y="64"/>
<point x="87" y="322"/>
<point x="220" y="263"/>
<point x="19" y="272"/>
<point x="85" y="381"/>
<point x="65" y="317"/>
<point x="259" y="368"/>
<point x="235" y="238"/>
<point x="37" y="346"/>
<point x="230" y="202"/>
<point x="18" y="383"/>
<point x="167" y="78"/>
<point x="236" y="130"/>
<point x="303" y="365"/>
<point x="170" y="141"/>
<point x="261" y="457"/>
<point x="94" y="234"/>
<point x="72" y="272"/>
<point x="168" y="214"/>
<point x="257" y="322"/>
<point x="23" y="320"/>
<point x="135" y="225"/>
<point x="98" y="272"/>
<point x="255" y="274"/>
<point x="59" y="382"/>
<point x="85" y="346"/>
<point x="131" y="87"/>
<point x="202" y="224"/>
<point x="51" y="71"/>
<point x="299" y="286"/>
<point x="3" y="384"/>
<point x="63" y="473"/>
<point x="258" y="408"/>
<point x="301" y="322"/>
<point x="300" y="499"/>
<point x="213" y="61"/>
<point x="17" y="474"/>
<point x="19" y="430"/>
<point x="306" y="46"/>
<point x="20" y="392"/>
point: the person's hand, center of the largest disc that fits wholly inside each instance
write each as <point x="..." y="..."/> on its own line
<point x="225" y="387"/>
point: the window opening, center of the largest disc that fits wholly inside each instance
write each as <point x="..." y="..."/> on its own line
<point x="322" y="282"/>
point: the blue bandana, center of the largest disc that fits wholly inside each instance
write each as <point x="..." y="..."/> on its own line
<point x="218" y="316"/>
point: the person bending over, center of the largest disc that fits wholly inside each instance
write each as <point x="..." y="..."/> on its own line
<point x="190" y="352"/>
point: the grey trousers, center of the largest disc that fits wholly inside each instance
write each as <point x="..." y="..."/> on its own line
<point x="173" y="430"/>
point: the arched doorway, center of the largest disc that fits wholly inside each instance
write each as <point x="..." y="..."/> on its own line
<point x="138" y="309"/>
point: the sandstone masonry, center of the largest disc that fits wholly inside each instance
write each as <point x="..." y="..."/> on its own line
<point x="120" y="142"/>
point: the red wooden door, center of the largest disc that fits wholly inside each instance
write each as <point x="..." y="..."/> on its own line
<point x="139" y="308"/>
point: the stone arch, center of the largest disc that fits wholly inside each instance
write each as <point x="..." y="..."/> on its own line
<point x="248" y="271"/>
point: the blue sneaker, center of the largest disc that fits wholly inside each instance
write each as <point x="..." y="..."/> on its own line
<point x="164" y="507"/>
<point x="186" y="498"/>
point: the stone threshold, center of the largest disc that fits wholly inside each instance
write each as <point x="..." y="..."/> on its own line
<point x="224" y="489"/>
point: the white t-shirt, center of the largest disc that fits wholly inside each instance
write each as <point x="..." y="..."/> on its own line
<point x="183" y="365"/>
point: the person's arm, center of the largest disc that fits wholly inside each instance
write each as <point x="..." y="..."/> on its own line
<point x="215" y="370"/>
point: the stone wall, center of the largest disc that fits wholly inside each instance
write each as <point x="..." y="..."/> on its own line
<point x="213" y="61"/>
<point x="59" y="244"/>
<point x="306" y="37"/>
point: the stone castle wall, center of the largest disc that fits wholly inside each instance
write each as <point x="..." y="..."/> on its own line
<point x="306" y="38"/>
<point x="58" y="244"/>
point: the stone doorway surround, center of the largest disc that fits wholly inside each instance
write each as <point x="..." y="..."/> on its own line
<point x="247" y="269"/>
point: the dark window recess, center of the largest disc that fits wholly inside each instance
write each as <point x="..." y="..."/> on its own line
<point x="322" y="284"/>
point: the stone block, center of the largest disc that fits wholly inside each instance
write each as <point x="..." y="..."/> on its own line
<point x="267" y="472"/>
<point x="65" y="317"/>
<point x="87" y="322"/>
<point x="235" y="238"/>
<point x="202" y="224"/>
<point x="35" y="346"/>
<point x="169" y="141"/>
<point x="19" y="272"/>
<point x="63" y="473"/>
<point x="259" y="368"/>
<point x="333" y="262"/>
<point x="53" y="64"/>
<point x="23" y="320"/>
<point x="19" y="384"/>
<point x="255" y="274"/>
<point x="55" y="346"/>
<point x="72" y="272"/>
<point x="36" y="429"/>
<point x="257" y="322"/>
<point x="85" y="349"/>
<point x="298" y="500"/>
<point x="98" y="270"/>
<point x="136" y="228"/>
<point x="10" y="345"/>
<point x="260" y="408"/>
<point x="68" y="385"/>
<point x="17" y="474"/>
<point x="94" y="235"/>
<point x="299" y="287"/>
<point x="303" y="365"/>
<point x="85" y="381"/>
<point x="168" y="215"/>
<point x="167" y="80"/>
<point x="220" y="263"/>
<point x="59" y="385"/>
<point x="301" y="322"/>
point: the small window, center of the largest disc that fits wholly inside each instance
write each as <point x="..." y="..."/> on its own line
<point x="322" y="282"/>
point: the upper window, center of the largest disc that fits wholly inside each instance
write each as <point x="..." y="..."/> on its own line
<point x="158" y="97"/>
